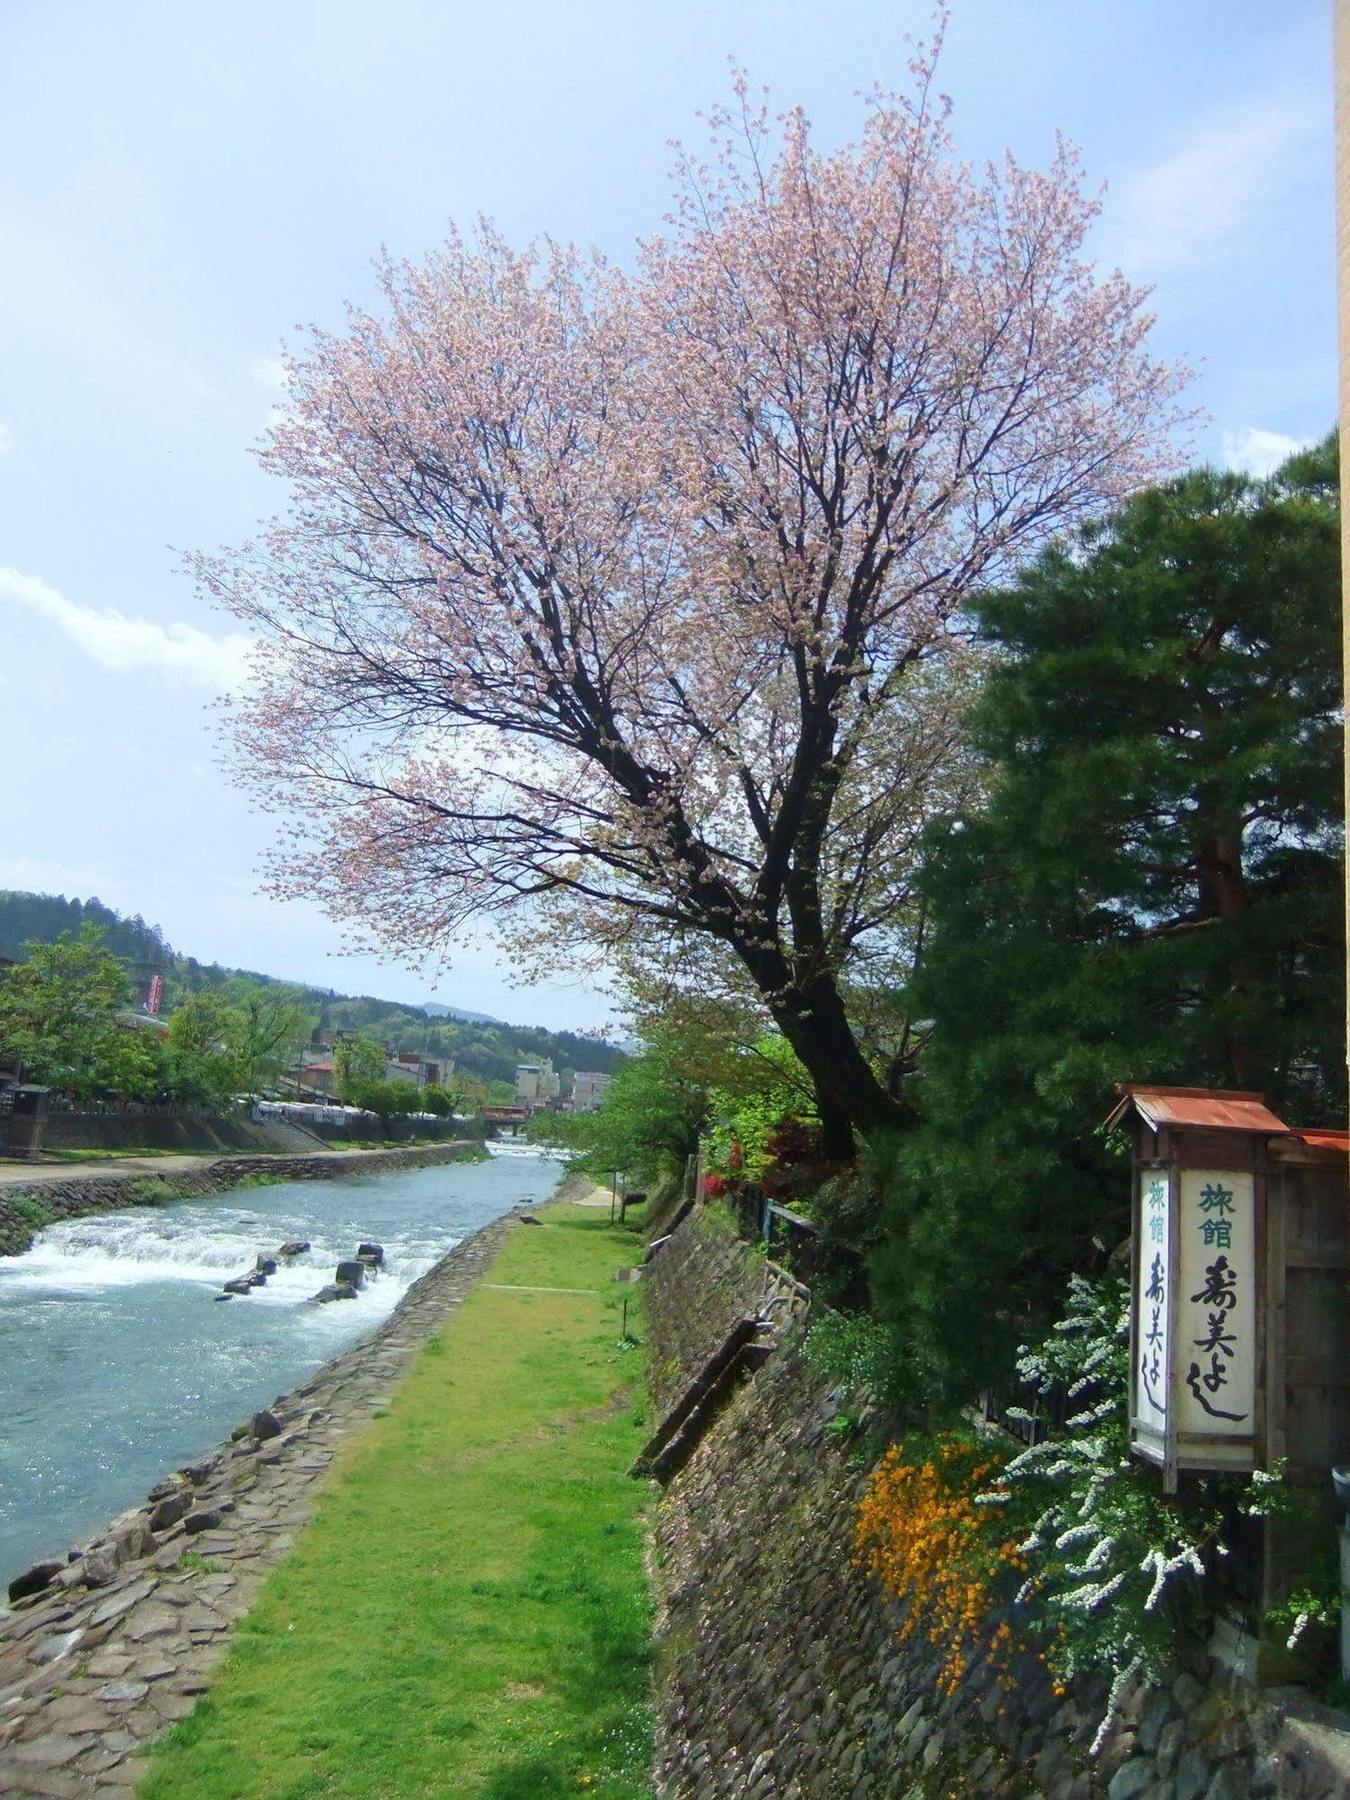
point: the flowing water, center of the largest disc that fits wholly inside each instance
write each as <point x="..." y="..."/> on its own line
<point x="117" y="1365"/>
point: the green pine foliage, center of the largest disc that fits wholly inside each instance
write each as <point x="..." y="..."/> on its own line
<point x="1152" y="892"/>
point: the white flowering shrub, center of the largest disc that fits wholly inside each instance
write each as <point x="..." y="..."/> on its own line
<point x="1115" y="1563"/>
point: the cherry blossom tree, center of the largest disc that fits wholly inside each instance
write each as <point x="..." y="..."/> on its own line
<point x="602" y="593"/>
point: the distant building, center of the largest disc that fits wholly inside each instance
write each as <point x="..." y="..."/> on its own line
<point x="536" y="1083"/>
<point x="134" y="1020"/>
<point x="316" y="1078"/>
<point x="426" y="1072"/>
<point x="588" y="1089"/>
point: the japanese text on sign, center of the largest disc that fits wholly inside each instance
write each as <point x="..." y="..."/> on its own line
<point x="1216" y="1304"/>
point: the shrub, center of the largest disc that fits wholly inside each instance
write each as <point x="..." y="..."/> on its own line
<point x="857" y="1351"/>
<point x="1115" y="1564"/>
<point x="924" y="1534"/>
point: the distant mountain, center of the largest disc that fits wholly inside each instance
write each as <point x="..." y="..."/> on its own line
<point x="434" y="1010"/>
<point x="480" y="1045"/>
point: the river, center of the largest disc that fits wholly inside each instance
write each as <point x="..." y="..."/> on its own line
<point x="116" y="1364"/>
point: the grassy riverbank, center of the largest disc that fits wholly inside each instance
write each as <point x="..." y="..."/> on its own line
<point x="466" y="1614"/>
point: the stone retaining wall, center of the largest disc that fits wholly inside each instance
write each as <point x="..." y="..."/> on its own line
<point x="57" y="1199"/>
<point x="780" y="1669"/>
<point x="724" y="1280"/>
<point x="126" y="1634"/>
<point x="203" y="1133"/>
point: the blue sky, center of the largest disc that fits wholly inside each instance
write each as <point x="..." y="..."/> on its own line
<point x="185" y="183"/>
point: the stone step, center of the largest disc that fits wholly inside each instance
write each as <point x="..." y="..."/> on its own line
<point x="745" y="1349"/>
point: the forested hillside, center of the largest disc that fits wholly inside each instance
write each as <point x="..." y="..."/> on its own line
<point x="484" y="1048"/>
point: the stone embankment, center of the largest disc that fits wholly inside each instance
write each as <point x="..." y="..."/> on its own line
<point x="26" y="1207"/>
<point x="781" y="1671"/>
<point x="122" y="1635"/>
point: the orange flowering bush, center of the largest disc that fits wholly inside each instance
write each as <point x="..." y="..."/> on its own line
<point x="921" y="1533"/>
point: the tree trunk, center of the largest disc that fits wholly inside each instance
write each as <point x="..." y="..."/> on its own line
<point x="813" y="1020"/>
<point x="836" y="1130"/>
<point x="1223" y="895"/>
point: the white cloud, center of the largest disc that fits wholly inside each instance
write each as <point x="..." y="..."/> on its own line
<point x="7" y="439"/>
<point x="270" y="372"/>
<point x="1174" y="211"/>
<point x="181" y="653"/>
<point x="1256" y="451"/>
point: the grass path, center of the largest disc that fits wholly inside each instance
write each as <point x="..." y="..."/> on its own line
<point x="466" y="1614"/>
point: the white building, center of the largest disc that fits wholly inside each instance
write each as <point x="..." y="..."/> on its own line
<point x="588" y="1089"/>
<point x="536" y="1083"/>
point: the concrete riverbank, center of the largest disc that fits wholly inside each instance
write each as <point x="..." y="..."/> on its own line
<point x="124" y="1637"/>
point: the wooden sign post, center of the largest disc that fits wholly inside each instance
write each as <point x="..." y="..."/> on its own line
<point x="1198" y="1291"/>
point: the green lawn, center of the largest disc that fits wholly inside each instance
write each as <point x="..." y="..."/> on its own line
<point x="466" y="1615"/>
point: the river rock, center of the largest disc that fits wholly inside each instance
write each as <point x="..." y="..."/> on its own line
<point x="205" y="1518"/>
<point x="374" y="1251"/>
<point x="294" y="1247"/>
<point x="170" y="1510"/>
<point x="266" y="1424"/>
<point x="57" y="1648"/>
<point x="128" y="1537"/>
<point x="240" y="1285"/>
<point x="336" y="1290"/>
<point x="266" y="1265"/>
<point x="34" y="1580"/>
<point x="353" y="1272"/>
<point x="122" y="1693"/>
<point x="99" y="1566"/>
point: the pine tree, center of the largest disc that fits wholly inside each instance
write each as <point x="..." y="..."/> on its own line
<point x="1152" y="892"/>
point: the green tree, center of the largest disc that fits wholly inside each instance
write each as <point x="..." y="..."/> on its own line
<point x="206" y="1048"/>
<point x="756" y="1091"/>
<point x="389" y="1099"/>
<point x="648" y="1121"/>
<point x="62" y="1015"/>
<point x="358" y="1063"/>
<point x="273" y="1023"/>
<point x="1152" y="892"/>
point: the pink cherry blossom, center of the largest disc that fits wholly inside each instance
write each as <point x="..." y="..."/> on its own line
<point x="600" y="594"/>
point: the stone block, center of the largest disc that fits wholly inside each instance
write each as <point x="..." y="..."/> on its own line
<point x="171" y="1509"/>
<point x="1170" y="1741"/>
<point x="1131" y="1779"/>
<point x="35" y="1579"/>
<point x="1157" y="1710"/>
<point x="1193" y="1776"/>
<point x="1229" y="1782"/>
<point x="122" y="1693"/>
<point x="1187" y="1692"/>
